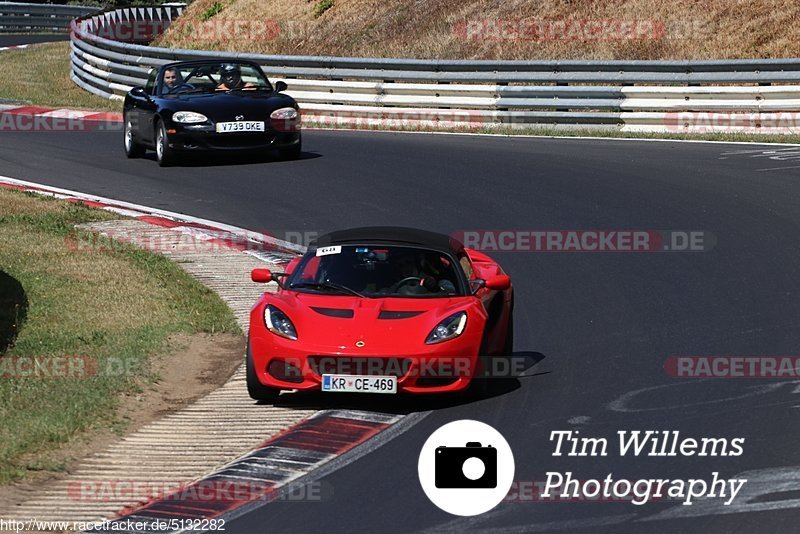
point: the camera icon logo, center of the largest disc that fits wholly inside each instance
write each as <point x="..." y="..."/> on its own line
<point x="466" y="467"/>
<point x="472" y="466"/>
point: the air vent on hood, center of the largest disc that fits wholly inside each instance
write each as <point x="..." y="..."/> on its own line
<point x="334" y="312"/>
<point x="398" y="314"/>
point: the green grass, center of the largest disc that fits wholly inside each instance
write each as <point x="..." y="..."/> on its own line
<point x="212" y="11"/>
<point x="40" y="75"/>
<point x="115" y="308"/>
<point x="321" y="7"/>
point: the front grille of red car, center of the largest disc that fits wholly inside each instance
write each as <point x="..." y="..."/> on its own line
<point x="359" y="365"/>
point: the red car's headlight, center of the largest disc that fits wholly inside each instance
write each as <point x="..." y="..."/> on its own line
<point x="450" y="328"/>
<point x="278" y="323"/>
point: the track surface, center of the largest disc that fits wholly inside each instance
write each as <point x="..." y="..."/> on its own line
<point x="30" y="38"/>
<point x="604" y="323"/>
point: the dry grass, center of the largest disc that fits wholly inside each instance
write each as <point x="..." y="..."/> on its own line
<point x="692" y="29"/>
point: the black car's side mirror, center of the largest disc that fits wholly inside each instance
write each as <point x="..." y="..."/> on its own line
<point x="280" y="86"/>
<point x="139" y="92"/>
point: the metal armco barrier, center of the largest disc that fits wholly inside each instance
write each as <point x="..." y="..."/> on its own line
<point x="642" y="96"/>
<point x="40" y="18"/>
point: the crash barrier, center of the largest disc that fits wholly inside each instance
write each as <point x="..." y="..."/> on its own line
<point x="18" y="17"/>
<point x="751" y="96"/>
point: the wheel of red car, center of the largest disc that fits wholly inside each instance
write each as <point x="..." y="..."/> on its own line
<point x="255" y="388"/>
<point x="508" y="346"/>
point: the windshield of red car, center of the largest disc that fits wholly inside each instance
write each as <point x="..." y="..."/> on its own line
<point x="377" y="271"/>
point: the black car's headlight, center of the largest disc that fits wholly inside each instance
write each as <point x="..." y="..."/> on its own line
<point x="285" y="120"/>
<point x="278" y="323"/>
<point x="189" y="117"/>
<point x="450" y="328"/>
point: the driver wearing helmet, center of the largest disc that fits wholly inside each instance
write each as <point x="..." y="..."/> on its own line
<point x="230" y="75"/>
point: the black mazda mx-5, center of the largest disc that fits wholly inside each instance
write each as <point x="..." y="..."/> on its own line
<point x="210" y="105"/>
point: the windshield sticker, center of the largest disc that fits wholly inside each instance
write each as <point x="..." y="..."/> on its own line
<point x="325" y="251"/>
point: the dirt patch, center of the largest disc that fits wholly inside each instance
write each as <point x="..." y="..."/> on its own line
<point x="199" y="364"/>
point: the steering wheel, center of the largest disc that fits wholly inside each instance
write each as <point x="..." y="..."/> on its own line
<point x="180" y="88"/>
<point x="405" y="280"/>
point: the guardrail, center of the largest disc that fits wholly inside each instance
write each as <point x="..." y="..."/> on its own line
<point x="18" y="17"/>
<point x="729" y="95"/>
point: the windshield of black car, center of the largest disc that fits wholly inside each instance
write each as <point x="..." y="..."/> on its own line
<point x="377" y="271"/>
<point x="208" y="78"/>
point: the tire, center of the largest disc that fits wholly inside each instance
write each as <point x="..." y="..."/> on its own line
<point x="480" y="385"/>
<point x="132" y="148"/>
<point x="292" y="153"/>
<point x="255" y="388"/>
<point x="508" y="346"/>
<point x="165" y="156"/>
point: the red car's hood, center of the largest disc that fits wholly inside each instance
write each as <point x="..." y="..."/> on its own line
<point x="382" y="324"/>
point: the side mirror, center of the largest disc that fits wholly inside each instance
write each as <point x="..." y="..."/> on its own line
<point x="139" y="92"/>
<point x="501" y="282"/>
<point x="280" y="86"/>
<point x="262" y="276"/>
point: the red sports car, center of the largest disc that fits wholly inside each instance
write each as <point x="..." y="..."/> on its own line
<point x="379" y="310"/>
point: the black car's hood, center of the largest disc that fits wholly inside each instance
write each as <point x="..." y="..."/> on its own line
<point x="223" y="106"/>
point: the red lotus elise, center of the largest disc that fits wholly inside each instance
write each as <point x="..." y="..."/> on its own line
<point x="379" y="310"/>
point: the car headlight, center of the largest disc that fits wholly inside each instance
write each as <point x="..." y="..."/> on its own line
<point x="450" y="328"/>
<point x="278" y="323"/>
<point x="285" y="120"/>
<point x="189" y="117"/>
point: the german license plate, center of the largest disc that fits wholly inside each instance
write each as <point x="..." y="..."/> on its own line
<point x="240" y="126"/>
<point x="359" y="384"/>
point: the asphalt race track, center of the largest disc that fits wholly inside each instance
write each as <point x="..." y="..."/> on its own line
<point x="12" y="39"/>
<point x="600" y="325"/>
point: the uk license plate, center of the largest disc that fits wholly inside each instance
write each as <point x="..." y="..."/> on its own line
<point x="240" y="126"/>
<point x="359" y="384"/>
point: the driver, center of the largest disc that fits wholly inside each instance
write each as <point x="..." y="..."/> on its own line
<point x="172" y="79"/>
<point x="408" y="267"/>
<point x="231" y="78"/>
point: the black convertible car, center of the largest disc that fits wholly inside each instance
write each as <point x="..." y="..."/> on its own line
<point x="210" y="105"/>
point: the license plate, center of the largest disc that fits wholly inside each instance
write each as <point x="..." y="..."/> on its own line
<point x="359" y="384"/>
<point x="240" y="126"/>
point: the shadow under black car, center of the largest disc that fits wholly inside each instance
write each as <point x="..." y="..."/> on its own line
<point x="403" y="404"/>
<point x="230" y="158"/>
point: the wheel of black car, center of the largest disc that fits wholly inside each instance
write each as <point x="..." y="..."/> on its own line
<point x="292" y="152"/>
<point x="132" y="148"/>
<point x="255" y="388"/>
<point x="165" y="155"/>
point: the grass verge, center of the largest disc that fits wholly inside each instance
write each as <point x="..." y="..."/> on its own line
<point x="39" y="74"/>
<point x="114" y="310"/>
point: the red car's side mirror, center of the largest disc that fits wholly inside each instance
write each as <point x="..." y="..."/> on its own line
<point x="501" y="282"/>
<point x="261" y="276"/>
